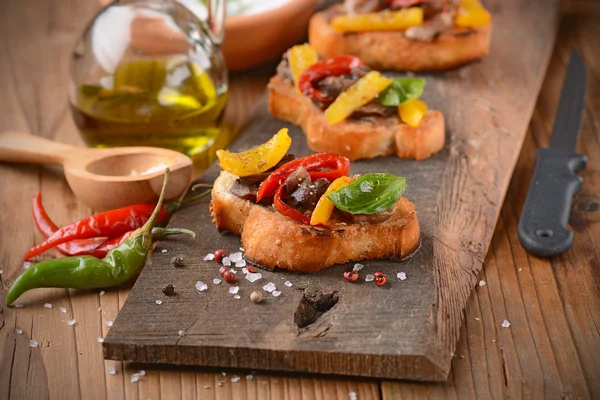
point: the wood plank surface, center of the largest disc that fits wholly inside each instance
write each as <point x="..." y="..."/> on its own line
<point x="562" y="295"/>
<point x="405" y="330"/>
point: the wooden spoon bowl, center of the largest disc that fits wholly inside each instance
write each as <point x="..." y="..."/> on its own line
<point x="105" y="179"/>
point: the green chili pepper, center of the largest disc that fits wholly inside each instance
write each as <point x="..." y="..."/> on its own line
<point x="86" y="272"/>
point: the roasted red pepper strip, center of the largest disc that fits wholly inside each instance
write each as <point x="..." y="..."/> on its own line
<point x="336" y="166"/>
<point x="287" y="210"/>
<point x="109" y="224"/>
<point x="332" y="66"/>
<point x="47" y="228"/>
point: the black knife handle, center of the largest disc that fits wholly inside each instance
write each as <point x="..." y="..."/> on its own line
<point x="543" y="224"/>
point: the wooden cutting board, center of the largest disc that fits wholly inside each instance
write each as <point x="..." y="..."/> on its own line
<point x="406" y="329"/>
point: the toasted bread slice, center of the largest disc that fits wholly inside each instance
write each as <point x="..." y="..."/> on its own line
<point x="272" y="240"/>
<point x="392" y="50"/>
<point x="356" y="138"/>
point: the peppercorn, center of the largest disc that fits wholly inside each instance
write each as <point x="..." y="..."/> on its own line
<point x="177" y="261"/>
<point x="256" y="296"/>
<point x="219" y="254"/>
<point x="168" y="289"/>
<point x="251" y="269"/>
<point x="229" y="276"/>
<point x="351" y="276"/>
<point x="379" y="278"/>
<point x="222" y="270"/>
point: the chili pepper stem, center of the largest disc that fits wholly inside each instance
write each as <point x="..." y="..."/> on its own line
<point x="146" y="229"/>
<point x="177" y="205"/>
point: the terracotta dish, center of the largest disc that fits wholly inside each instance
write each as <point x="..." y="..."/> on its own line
<point x="251" y="40"/>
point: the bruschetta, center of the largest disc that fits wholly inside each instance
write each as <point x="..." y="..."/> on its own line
<point x="309" y="213"/>
<point x="412" y="35"/>
<point x="346" y="108"/>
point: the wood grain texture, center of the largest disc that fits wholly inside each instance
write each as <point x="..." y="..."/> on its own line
<point x="407" y="330"/>
<point x="567" y="293"/>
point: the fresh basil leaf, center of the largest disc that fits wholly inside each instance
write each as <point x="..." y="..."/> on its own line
<point x="401" y="90"/>
<point x="369" y="194"/>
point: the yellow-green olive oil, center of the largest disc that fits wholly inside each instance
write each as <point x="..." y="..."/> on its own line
<point x="161" y="103"/>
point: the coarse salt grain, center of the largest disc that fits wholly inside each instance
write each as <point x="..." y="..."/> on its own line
<point x="401" y="276"/>
<point x="71" y="322"/>
<point x="48" y="305"/>
<point x="269" y="287"/>
<point x="181" y="333"/>
<point x="481" y="283"/>
<point x="17" y="305"/>
<point x="1" y="272"/>
<point x="216" y="281"/>
<point x="135" y="378"/>
<point x="102" y="292"/>
<point x="244" y="271"/>
<point x="276" y="293"/>
<point x="234" y="289"/>
<point x="26" y="264"/>
<point x="505" y="324"/>
<point x="253" y="276"/>
<point x="19" y="331"/>
<point x="201" y="286"/>
<point x="235" y="379"/>
<point x="100" y="340"/>
<point x="112" y="370"/>
<point x="476" y="319"/>
<point x="369" y="278"/>
<point x="159" y="302"/>
<point x="288" y="284"/>
<point x="226" y="261"/>
<point x="33" y="343"/>
<point x="249" y="377"/>
<point x="352" y="396"/>
<point x="209" y="257"/>
<point x="240" y="264"/>
<point x="358" y="267"/>
<point x="109" y="323"/>
<point x="142" y="372"/>
<point x="237" y="297"/>
<point x="164" y="251"/>
<point x="235" y="257"/>
<point x="63" y="310"/>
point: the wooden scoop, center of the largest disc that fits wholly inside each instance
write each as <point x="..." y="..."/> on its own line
<point x="104" y="179"/>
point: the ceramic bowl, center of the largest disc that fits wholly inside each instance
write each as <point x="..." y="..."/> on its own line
<point x="251" y="40"/>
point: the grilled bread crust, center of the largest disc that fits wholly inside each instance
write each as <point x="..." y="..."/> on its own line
<point x="392" y="50"/>
<point x="356" y="138"/>
<point x="272" y="240"/>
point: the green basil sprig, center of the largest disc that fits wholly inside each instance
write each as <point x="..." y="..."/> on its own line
<point x="401" y="91"/>
<point x="369" y="194"/>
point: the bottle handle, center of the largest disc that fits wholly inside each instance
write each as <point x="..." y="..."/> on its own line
<point x="216" y="21"/>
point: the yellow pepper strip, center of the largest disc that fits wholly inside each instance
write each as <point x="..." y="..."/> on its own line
<point x="381" y="21"/>
<point x="356" y="96"/>
<point x="301" y="57"/>
<point x="412" y="112"/>
<point x="471" y="14"/>
<point x="325" y="207"/>
<point x="257" y="159"/>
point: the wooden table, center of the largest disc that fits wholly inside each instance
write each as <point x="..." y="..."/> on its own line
<point x="552" y="348"/>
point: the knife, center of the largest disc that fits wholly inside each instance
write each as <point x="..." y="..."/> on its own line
<point x="543" y="224"/>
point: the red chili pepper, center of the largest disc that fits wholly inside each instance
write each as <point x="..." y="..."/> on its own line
<point x="47" y="228"/>
<point x="108" y="224"/>
<point x="337" y="166"/>
<point x="286" y="210"/>
<point x="331" y="66"/>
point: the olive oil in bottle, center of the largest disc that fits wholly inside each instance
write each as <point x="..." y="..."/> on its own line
<point x="166" y="102"/>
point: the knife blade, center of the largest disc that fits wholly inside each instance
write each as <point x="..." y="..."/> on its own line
<point x="543" y="224"/>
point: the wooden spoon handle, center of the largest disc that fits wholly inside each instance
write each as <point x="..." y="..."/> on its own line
<point x="22" y="147"/>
